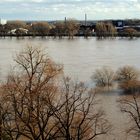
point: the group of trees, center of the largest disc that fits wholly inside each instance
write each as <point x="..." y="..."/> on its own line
<point x="38" y="103"/>
<point x="39" y="28"/>
<point x="126" y="77"/>
<point x="132" y="22"/>
<point x="129" y="32"/>
<point x="42" y="28"/>
<point x="106" y="29"/>
<point x="130" y="83"/>
<point x="128" y="80"/>
<point x="68" y="28"/>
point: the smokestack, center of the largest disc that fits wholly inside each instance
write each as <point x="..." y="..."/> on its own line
<point x="85" y="19"/>
<point x="65" y="20"/>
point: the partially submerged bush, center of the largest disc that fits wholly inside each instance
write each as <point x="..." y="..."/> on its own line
<point x="127" y="73"/>
<point x="130" y="32"/>
<point x="104" y="77"/>
<point x="131" y="86"/>
<point x="128" y="78"/>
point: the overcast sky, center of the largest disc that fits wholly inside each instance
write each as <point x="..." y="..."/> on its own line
<point x="58" y="9"/>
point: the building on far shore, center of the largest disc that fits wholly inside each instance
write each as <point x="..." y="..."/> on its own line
<point x="18" y="31"/>
<point x="3" y="21"/>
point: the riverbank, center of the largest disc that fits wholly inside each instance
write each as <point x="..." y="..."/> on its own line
<point x="77" y="35"/>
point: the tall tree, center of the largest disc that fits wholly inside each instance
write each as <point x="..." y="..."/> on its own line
<point x="100" y="29"/>
<point x="40" y="28"/>
<point x="60" y="29"/>
<point x="72" y="27"/>
<point x="29" y="94"/>
<point x="105" y="30"/>
<point x="111" y="31"/>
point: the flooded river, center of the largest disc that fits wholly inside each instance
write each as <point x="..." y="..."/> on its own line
<point x="81" y="57"/>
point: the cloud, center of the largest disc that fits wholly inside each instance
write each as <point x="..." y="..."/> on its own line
<point x="58" y="9"/>
<point x="22" y="0"/>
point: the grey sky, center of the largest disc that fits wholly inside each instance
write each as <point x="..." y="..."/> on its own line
<point x="58" y="9"/>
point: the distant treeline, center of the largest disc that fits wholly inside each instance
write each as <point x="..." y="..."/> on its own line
<point x="70" y="28"/>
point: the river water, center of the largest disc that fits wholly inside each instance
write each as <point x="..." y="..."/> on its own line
<point x="81" y="57"/>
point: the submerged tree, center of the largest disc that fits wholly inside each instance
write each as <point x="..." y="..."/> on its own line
<point x="87" y="32"/>
<point x="60" y="29"/>
<point x="104" y="77"/>
<point x="105" y="30"/>
<point x="40" y="28"/>
<point x="128" y="78"/>
<point x="127" y="73"/>
<point x="100" y="29"/>
<point x="111" y="31"/>
<point x="130" y="32"/>
<point x="72" y="27"/>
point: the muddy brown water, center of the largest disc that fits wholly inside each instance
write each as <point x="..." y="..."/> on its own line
<point x="81" y="57"/>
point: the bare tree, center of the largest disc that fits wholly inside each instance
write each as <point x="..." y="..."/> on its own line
<point x="128" y="78"/>
<point x="78" y="116"/>
<point x="104" y="77"/>
<point x="40" y="28"/>
<point x="111" y="31"/>
<point x="127" y="73"/>
<point x="101" y="29"/>
<point x="105" y="30"/>
<point x="3" y="112"/>
<point x="130" y="32"/>
<point x="131" y="107"/>
<point x="29" y="94"/>
<point x="87" y="32"/>
<point x="72" y="27"/>
<point x="59" y="29"/>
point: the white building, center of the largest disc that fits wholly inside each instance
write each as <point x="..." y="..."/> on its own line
<point x="3" y="21"/>
<point x="21" y="30"/>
